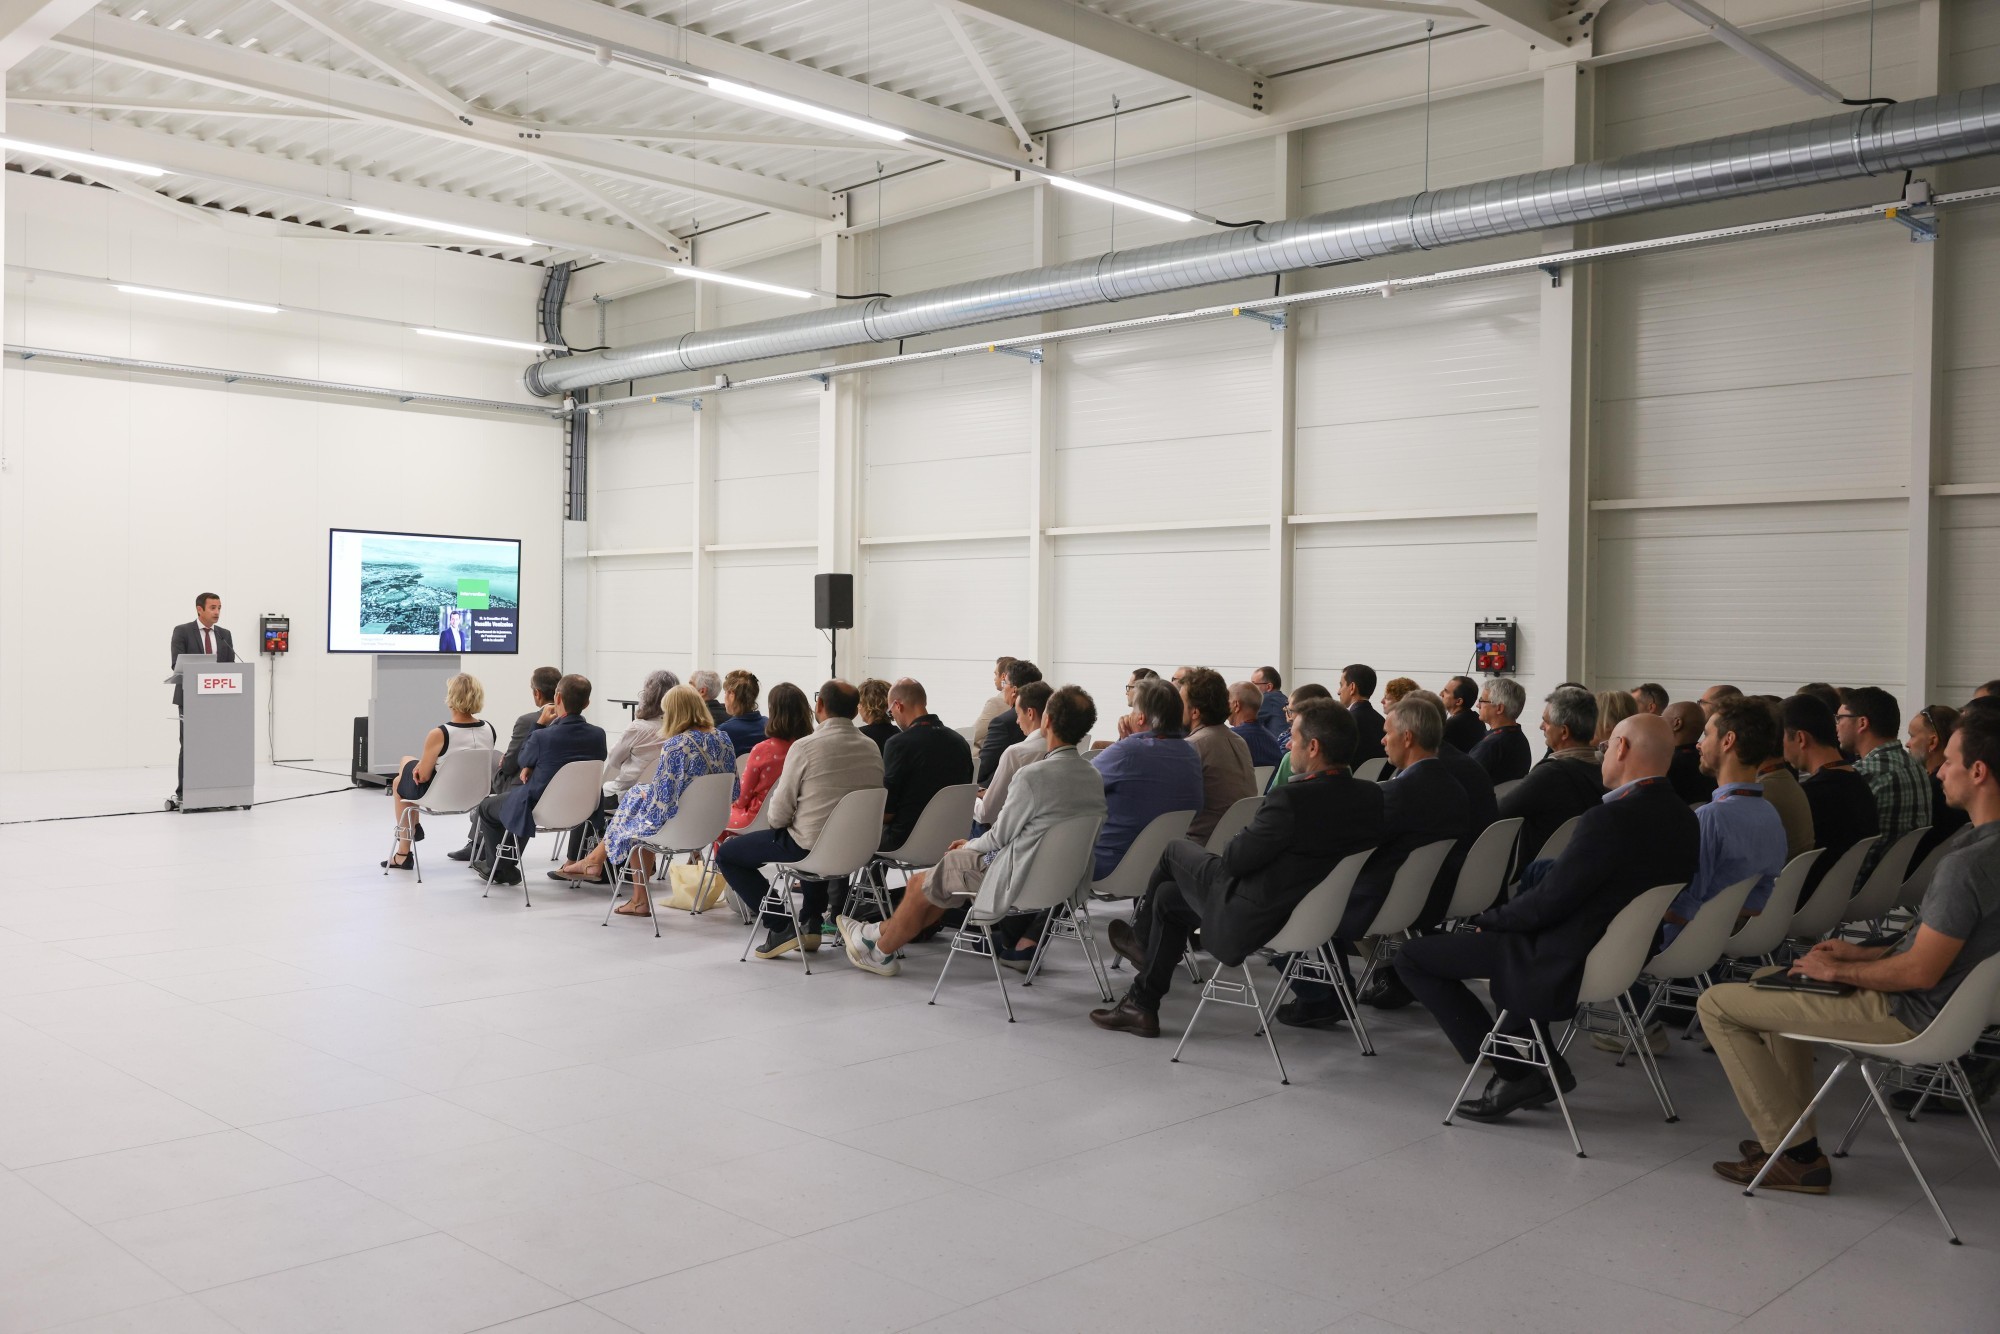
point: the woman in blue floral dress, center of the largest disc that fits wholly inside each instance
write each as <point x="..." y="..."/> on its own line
<point x="692" y="749"/>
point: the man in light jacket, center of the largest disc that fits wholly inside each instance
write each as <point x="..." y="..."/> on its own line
<point x="1060" y="787"/>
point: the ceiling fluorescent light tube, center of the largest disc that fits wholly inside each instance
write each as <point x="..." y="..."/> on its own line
<point x="87" y="159"/>
<point x="514" y="343"/>
<point x="782" y="103"/>
<point x="456" y="10"/>
<point x="455" y="229"/>
<point x="199" y="300"/>
<point x="1122" y="200"/>
<point x="731" y="280"/>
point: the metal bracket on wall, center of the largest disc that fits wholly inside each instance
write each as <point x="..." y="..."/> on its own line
<point x="825" y="381"/>
<point x="1276" y="321"/>
<point x="1032" y="355"/>
<point x="1555" y="272"/>
<point x="1923" y="226"/>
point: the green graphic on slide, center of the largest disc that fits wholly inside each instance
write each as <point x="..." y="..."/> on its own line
<point x="472" y="594"/>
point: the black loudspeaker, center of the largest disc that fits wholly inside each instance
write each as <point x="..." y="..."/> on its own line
<point x="833" y="602"/>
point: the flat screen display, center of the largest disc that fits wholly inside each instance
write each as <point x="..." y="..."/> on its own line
<point x="422" y="593"/>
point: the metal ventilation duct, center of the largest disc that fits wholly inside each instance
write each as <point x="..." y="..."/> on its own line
<point x="1867" y="142"/>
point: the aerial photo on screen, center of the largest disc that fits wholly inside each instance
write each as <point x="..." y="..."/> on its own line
<point x="406" y="581"/>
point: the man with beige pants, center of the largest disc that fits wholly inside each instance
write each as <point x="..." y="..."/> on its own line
<point x="1899" y="988"/>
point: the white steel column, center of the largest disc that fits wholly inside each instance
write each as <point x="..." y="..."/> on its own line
<point x="1555" y="643"/>
<point x="1287" y="179"/>
<point x="838" y="457"/>
<point x="1920" y="668"/>
<point x="706" y="425"/>
<point x="1041" y="456"/>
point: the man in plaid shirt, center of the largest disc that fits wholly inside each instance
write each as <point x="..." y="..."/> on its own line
<point x="1868" y="723"/>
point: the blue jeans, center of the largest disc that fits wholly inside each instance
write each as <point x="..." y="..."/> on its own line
<point x="738" y="859"/>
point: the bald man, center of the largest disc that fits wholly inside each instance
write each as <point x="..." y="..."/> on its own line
<point x="1533" y="947"/>
<point x="1688" y="719"/>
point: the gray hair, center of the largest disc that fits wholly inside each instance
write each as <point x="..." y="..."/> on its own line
<point x="1421" y="718"/>
<point x="652" y="692"/>
<point x="1246" y="694"/>
<point x="1576" y="709"/>
<point x="1507" y="693"/>
<point x="707" y="682"/>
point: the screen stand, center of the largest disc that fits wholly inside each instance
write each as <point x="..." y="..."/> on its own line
<point x="405" y="701"/>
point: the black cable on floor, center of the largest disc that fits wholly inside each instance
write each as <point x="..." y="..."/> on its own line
<point x="116" y="815"/>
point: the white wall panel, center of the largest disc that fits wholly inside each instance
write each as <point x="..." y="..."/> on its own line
<point x="1472" y="138"/>
<point x="767" y="463"/>
<point x="641" y="620"/>
<point x="1969" y="287"/>
<point x="956" y="245"/>
<point x="1233" y="182"/>
<point x="1968" y="563"/>
<point x="945" y="447"/>
<point x="764" y="618"/>
<point x="942" y="612"/>
<point x="642" y="479"/>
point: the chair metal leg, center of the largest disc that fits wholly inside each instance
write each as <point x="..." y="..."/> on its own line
<point x="500" y="854"/>
<point x="1636" y="1041"/>
<point x="1792" y="1135"/>
<point x="652" y="899"/>
<point x="1874" y="1082"/>
<point x="781" y="890"/>
<point x="1963" y="1083"/>
<point x="1086" y="936"/>
<point x="1473" y="1071"/>
<point x="1924" y="1098"/>
<point x="1000" y="980"/>
<point x="1555" y="1085"/>
<point x="1853" y="1131"/>
<point x="1270" y="1038"/>
<point x="1220" y="990"/>
<point x="1193" y="1019"/>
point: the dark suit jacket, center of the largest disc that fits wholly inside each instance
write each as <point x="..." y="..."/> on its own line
<point x="1301" y="832"/>
<point x="1480" y="809"/>
<point x="1001" y="733"/>
<point x="1684" y="775"/>
<point x="919" y="762"/>
<point x="543" y="755"/>
<point x="1504" y="754"/>
<point x="1622" y="848"/>
<point x="1367" y="732"/>
<point x="448" y="642"/>
<point x="187" y="639"/>
<point x="1553" y="792"/>
<point x="718" y="711"/>
<point x="1420" y="805"/>
<point x="509" y="776"/>
<point x="1464" y="730"/>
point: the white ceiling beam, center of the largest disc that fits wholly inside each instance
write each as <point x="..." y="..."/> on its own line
<point x="596" y="196"/>
<point x="207" y="217"/>
<point x="987" y="78"/>
<point x="586" y="26"/>
<point x="142" y="46"/>
<point x="1385" y="6"/>
<point x="670" y="134"/>
<point x="168" y="107"/>
<point x="1539" y="23"/>
<point x="1067" y="24"/>
<point x="25" y="25"/>
<point x="390" y="63"/>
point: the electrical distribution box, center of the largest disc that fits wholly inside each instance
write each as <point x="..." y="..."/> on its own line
<point x="274" y="633"/>
<point x="1493" y="647"/>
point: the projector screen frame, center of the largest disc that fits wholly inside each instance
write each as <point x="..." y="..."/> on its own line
<point x="333" y="532"/>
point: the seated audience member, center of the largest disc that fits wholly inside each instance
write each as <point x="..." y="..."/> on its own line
<point x="1503" y="752"/>
<point x="1271" y="704"/>
<point x="1061" y="786"/>
<point x="1741" y="835"/>
<point x="744" y="726"/>
<point x="1652" y="697"/>
<point x="566" y="739"/>
<point x="1782" y="790"/>
<point x="1481" y="808"/>
<point x="1930" y="732"/>
<point x="819" y="770"/>
<point x="691" y="747"/>
<point x="1305" y="694"/>
<point x="1567" y="781"/>
<point x="1843" y="806"/>
<point x="1687" y="718"/>
<point x="710" y="686"/>
<point x="994" y="707"/>
<point x="1613" y="708"/>
<point x="1031" y="702"/>
<point x="1005" y="730"/>
<point x="632" y="758"/>
<point x="1533" y="947"/>
<point x="875" y="722"/>
<point x="1357" y="685"/>
<point x="1462" y="727"/>
<point x="1147" y="772"/>
<point x="1991" y="690"/>
<point x="1866" y="725"/>
<point x="463" y="697"/>
<point x="1398" y="687"/>
<point x="1180" y="676"/>
<point x="1132" y="682"/>
<point x="1227" y="774"/>
<point x="1824" y="693"/>
<point x="1899" y="988"/>
<point x="1422" y="804"/>
<point x="1244" y="701"/>
<point x="1240" y="898"/>
<point x="1713" y="697"/>
<point x="791" y="720"/>
<point x="542" y="689"/>
<point x="921" y="760"/>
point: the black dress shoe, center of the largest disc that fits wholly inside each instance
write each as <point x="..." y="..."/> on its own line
<point x="464" y="854"/>
<point x="501" y="875"/>
<point x="1385" y="991"/>
<point x="1504" y="1095"/>
<point x="1312" y="1014"/>
<point x="1125" y="941"/>
<point x="1128" y="1017"/>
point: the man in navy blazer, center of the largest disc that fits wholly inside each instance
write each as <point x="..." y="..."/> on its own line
<point x="543" y="755"/>
<point x="1532" y="948"/>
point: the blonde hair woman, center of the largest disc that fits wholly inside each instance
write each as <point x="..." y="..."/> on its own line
<point x="692" y="748"/>
<point x="1613" y="708"/>
<point x="463" y="697"/>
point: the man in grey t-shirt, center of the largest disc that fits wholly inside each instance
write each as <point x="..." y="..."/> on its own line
<point x="1898" y="989"/>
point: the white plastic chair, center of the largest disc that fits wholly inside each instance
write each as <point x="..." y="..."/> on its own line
<point x="571" y="798"/>
<point x="1233" y="822"/>
<point x="1558" y="841"/>
<point x="1974" y="1005"/>
<point x="1401" y="907"/>
<point x="1608" y="973"/>
<point x="1052" y="877"/>
<point x="1128" y="879"/>
<point x="742" y="763"/>
<point x="1371" y="771"/>
<point x="458" y="784"/>
<point x="1484" y="872"/>
<point x="1822" y="912"/>
<point x="1261" y="775"/>
<point x="946" y="817"/>
<point x="697" y="822"/>
<point x="1755" y="941"/>
<point x="1884" y="885"/>
<point x="1911" y="896"/>
<point x="759" y="822"/>
<point x="1306" y="937"/>
<point x="1500" y="790"/>
<point x="1691" y="955"/>
<point x="844" y="845"/>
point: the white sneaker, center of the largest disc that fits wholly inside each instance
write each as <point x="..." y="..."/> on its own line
<point x="861" y="951"/>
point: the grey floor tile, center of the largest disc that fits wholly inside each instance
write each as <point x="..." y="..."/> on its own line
<point x="109" y="1186"/>
<point x="773" y="1290"/>
<point x="458" y="1187"/>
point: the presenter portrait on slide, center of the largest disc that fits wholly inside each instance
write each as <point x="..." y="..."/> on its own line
<point x="200" y="635"/>
<point x="454" y="638"/>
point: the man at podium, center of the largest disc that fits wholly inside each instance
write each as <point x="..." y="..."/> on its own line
<point x="200" y="635"/>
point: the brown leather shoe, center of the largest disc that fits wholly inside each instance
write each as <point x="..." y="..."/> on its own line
<point x="1813" y="1178"/>
<point x="1126" y="942"/>
<point x="1127" y="1017"/>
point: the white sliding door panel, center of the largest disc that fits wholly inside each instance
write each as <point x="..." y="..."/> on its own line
<point x="942" y="612"/>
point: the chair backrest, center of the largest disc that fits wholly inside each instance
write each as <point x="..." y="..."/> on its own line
<point x="1500" y="790"/>
<point x="1972" y="1007"/>
<point x="1557" y="841"/>
<point x="461" y="781"/>
<point x="1614" y="962"/>
<point x="1261" y="775"/>
<point x="1055" y="867"/>
<point x="1698" y="947"/>
<point x="702" y="815"/>
<point x="1823" y="910"/>
<point x="1371" y="771"/>
<point x="1485" y="870"/>
<point x="849" y="838"/>
<point x="1233" y="822"/>
<point x="1769" y="928"/>
<point x="572" y="796"/>
<point x="1878" y="893"/>
<point x="1911" y="895"/>
<point x="946" y="817"/>
<point x="742" y="763"/>
<point x="1318" y="915"/>
<point x="1410" y="888"/>
<point x="1128" y="879"/>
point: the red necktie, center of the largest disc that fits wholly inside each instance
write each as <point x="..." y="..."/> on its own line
<point x="207" y="641"/>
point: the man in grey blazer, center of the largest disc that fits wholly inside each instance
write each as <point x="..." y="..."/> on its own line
<point x="1060" y="786"/>
<point x="200" y="635"/>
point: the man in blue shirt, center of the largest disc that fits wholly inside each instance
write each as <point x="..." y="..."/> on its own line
<point x="1271" y="708"/>
<point x="1245" y="699"/>
<point x="1147" y="773"/>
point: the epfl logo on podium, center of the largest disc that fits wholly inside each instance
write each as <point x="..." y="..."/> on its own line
<point x="219" y="685"/>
